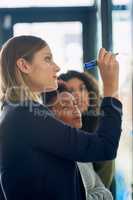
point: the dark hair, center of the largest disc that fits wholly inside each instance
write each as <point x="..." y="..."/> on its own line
<point x="89" y="81"/>
<point x="50" y="97"/>
<point x="24" y="46"/>
<point x="89" y="118"/>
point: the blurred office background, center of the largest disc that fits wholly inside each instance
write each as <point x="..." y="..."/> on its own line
<point x="75" y="30"/>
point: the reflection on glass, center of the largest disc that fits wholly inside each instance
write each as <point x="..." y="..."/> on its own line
<point x="64" y="38"/>
<point x="121" y="2"/>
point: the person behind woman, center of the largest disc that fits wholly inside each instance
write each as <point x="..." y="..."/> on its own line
<point x="84" y="87"/>
<point x="38" y="152"/>
<point x="64" y="107"/>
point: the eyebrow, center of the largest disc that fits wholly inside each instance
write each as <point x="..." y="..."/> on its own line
<point x="64" y="101"/>
<point x="82" y="84"/>
<point x="67" y="102"/>
<point x="48" y="54"/>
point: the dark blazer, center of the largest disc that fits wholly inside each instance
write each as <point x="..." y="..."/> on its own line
<point x="106" y="169"/>
<point x="39" y="153"/>
<point x="1" y="194"/>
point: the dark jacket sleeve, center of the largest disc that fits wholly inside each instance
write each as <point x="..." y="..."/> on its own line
<point x="1" y="194"/>
<point x="52" y="136"/>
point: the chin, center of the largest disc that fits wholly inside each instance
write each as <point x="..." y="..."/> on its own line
<point x="52" y="88"/>
<point x="78" y="125"/>
<point x="82" y="110"/>
<point x="55" y="85"/>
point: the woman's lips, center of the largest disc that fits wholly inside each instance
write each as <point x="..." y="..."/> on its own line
<point x="77" y="117"/>
<point x="55" y="77"/>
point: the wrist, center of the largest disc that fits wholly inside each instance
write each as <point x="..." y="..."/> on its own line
<point x="108" y="92"/>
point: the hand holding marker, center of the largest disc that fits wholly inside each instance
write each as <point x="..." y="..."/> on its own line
<point x="91" y="64"/>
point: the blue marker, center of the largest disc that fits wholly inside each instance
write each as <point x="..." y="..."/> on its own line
<point x="90" y="65"/>
<point x="93" y="63"/>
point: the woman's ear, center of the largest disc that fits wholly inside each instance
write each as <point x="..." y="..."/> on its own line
<point x="23" y="65"/>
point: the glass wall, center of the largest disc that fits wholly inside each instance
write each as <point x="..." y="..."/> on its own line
<point x="120" y="2"/>
<point x="122" y="44"/>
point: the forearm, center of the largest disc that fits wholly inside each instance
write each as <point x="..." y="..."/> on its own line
<point x="109" y="129"/>
<point x="50" y="135"/>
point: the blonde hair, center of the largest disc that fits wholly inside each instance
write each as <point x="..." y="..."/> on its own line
<point x="13" y="86"/>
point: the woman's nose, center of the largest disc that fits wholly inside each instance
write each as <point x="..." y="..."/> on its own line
<point x="77" y="111"/>
<point x="77" y="95"/>
<point x="57" y="68"/>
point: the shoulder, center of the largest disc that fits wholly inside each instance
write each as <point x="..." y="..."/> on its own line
<point x="20" y="116"/>
<point x="28" y="107"/>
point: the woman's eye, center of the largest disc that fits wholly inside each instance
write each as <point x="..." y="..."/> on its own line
<point x="71" y="90"/>
<point x="65" y="108"/>
<point x="83" y="88"/>
<point x="48" y="59"/>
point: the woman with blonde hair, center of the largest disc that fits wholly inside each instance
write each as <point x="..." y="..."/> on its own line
<point x="38" y="153"/>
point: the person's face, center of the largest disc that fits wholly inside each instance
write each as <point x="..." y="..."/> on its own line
<point x="42" y="75"/>
<point x="67" y="110"/>
<point x="80" y="92"/>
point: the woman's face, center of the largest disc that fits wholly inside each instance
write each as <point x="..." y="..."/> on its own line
<point x="43" y="71"/>
<point x="67" y="110"/>
<point x="80" y="92"/>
